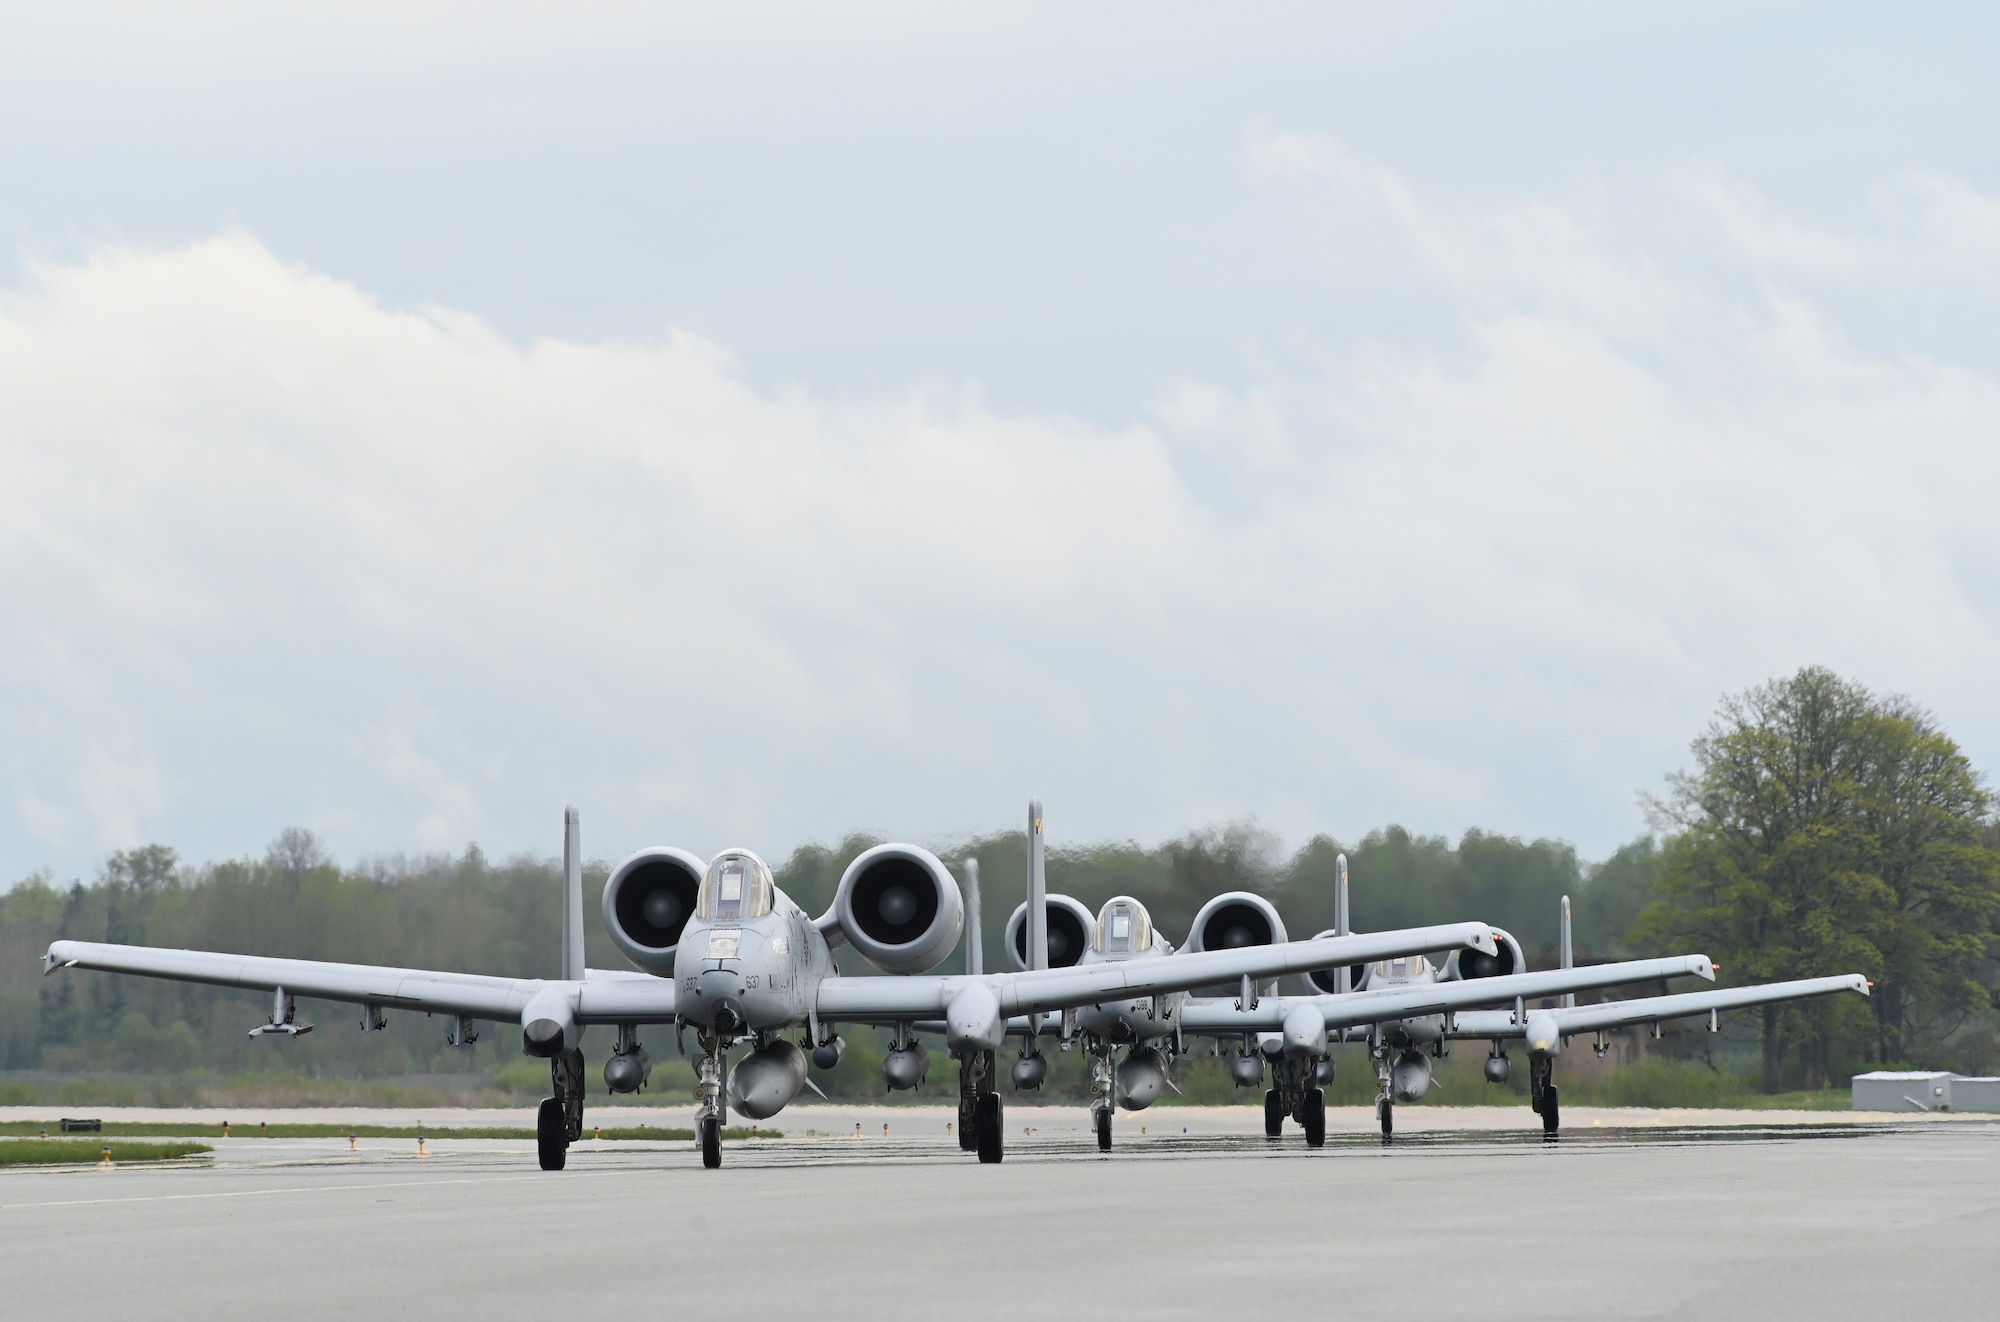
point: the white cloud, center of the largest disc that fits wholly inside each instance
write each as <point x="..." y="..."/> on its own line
<point x="273" y="552"/>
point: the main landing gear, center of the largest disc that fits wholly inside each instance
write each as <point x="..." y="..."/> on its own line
<point x="979" y="1110"/>
<point x="559" y="1119"/>
<point x="1542" y="1093"/>
<point x="1298" y="1095"/>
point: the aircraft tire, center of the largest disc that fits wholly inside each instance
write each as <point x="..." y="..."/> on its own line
<point x="711" y="1143"/>
<point x="1551" y="1110"/>
<point x="1274" y="1114"/>
<point x="1103" y="1119"/>
<point x="990" y="1127"/>
<point x="1385" y="1111"/>
<point x="551" y="1135"/>
<point x="1315" y="1121"/>
<point x="968" y="1122"/>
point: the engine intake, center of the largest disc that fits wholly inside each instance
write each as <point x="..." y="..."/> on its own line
<point x="1507" y="958"/>
<point x="899" y="908"/>
<point x="1070" y="927"/>
<point x="647" y="904"/>
<point x="1236" y="919"/>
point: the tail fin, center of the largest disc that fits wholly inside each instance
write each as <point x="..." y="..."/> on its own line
<point x="1343" y="974"/>
<point x="572" y="924"/>
<point x="1038" y="892"/>
<point x="975" y="940"/>
<point x="1568" y="952"/>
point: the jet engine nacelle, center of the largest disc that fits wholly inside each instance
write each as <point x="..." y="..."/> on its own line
<point x="1070" y="928"/>
<point x="1411" y="1078"/>
<point x="647" y="903"/>
<point x="1507" y="958"/>
<point x="764" y="1082"/>
<point x="1236" y="919"/>
<point x="1327" y="981"/>
<point x="899" y="908"/>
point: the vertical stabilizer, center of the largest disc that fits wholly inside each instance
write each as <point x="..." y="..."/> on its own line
<point x="572" y="924"/>
<point x="975" y="939"/>
<point x="1038" y="891"/>
<point x="1343" y="974"/>
<point x="1568" y="951"/>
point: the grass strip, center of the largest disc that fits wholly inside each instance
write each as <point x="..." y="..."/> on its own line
<point x="81" y="1152"/>
<point x="150" y="1129"/>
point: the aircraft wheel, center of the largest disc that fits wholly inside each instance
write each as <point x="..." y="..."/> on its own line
<point x="1551" y="1111"/>
<point x="711" y="1143"/>
<point x="987" y="1123"/>
<point x="1103" y="1118"/>
<point x="1315" y="1121"/>
<point x="1274" y="1114"/>
<point x="1385" y="1111"/>
<point x="551" y="1135"/>
<point x="968" y="1122"/>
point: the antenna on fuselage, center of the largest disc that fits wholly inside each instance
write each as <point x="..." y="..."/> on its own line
<point x="1568" y="952"/>
<point x="975" y="943"/>
<point x="1344" y="974"/>
<point x="572" y="923"/>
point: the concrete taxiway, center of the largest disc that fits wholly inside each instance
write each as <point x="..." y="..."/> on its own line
<point x="1832" y="1220"/>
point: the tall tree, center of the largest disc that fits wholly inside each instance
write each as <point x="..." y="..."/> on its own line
<point x="1826" y="830"/>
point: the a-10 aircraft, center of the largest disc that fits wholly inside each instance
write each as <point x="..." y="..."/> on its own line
<point x="728" y="955"/>
<point x="1411" y="1009"/>
<point x="1153" y="1029"/>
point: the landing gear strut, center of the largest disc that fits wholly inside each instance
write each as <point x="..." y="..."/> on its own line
<point x="1103" y="1080"/>
<point x="711" y="1073"/>
<point x="1542" y="1093"/>
<point x="559" y="1119"/>
<point x="1385" y="1100"/>
<point x="979" y="1110"/>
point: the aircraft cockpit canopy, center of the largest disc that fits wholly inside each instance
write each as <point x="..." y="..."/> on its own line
<point x="1406" y="966"/>
<point x="736" y="888"/>
<point x="1123" y="927"/>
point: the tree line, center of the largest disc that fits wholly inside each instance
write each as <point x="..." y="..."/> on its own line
<point x="1821" y="830"/>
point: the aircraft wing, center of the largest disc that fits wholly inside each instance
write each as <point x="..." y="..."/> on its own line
<point x="1544" y="1025"/>
<point x="473" y="994"/>
<point x="1036" y="991"/>
<point x="1372" y="1007"/>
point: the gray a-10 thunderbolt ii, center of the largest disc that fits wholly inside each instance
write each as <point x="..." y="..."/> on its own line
<point x="1152" y="1029"/>
<point x="723" y="952"/>
<point x="1411" y="1009"/>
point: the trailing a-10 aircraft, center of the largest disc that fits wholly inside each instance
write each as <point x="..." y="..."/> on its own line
<point x="728" y="955"/>
<point x="1411" y="1008"/>
<point x="1153" y="1029"/>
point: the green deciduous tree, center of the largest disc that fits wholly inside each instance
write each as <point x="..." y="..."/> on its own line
<point x="1823" y="830"/>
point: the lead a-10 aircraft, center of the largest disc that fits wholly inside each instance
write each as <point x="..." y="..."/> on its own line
<point x="728" y="954"/>
<point x="1411" y="1009"/>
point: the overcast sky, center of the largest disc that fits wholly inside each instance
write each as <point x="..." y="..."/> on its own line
<point x="757" y="423"/>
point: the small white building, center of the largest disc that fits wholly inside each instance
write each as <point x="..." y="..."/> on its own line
<point x="1900" y="1090"/>
<point x="1975" y="1094"/>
